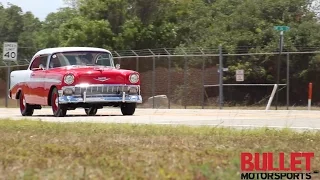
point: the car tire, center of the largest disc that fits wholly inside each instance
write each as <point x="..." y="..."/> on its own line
<point x="25" y="108"/>
<point x="57" y="109"/>
<point x="128" y="108"/>
<point x="91" y="111"/>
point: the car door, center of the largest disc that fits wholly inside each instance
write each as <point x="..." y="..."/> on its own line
<point x="42" y="76"/>
<point x="37" y="81"/>
<point x="52" y="76"/>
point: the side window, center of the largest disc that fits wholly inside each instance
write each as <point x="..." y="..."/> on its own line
<point x="35" y="63"/>
<point x="44" y="60"/>
<point x="103" y="59"/>
<point x="40" y="60"/>
<point x="54" y="61"/>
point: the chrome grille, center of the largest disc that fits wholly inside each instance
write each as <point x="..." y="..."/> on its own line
<point x="101" y="89"/>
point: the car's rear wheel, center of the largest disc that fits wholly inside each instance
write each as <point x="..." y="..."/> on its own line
<point x="25" y="108"/>
<point x="128" y="108"/>
<point x="57" y="109"/>
<point x="91" y="111"/>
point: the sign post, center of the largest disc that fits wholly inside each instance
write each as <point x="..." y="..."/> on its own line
<point x="10" y="53"/>
<point x="240" y="75"/>
<point x="281" y="29"/>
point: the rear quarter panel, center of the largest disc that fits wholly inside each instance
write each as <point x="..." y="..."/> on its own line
<point x="18" y="81"/>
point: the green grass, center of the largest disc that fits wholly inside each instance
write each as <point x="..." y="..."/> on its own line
<point x="43" y="150"/>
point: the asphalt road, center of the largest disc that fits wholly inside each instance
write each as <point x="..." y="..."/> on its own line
<point x="295" y="119"/>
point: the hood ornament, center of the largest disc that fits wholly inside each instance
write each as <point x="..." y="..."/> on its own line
<point x="102" y="79"/>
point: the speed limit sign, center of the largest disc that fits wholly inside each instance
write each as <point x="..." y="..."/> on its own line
<point x="10" y="51"/>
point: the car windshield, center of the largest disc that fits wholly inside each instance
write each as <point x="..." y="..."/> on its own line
<point x="83" y="58"/>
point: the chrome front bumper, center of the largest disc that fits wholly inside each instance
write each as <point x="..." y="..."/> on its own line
<point x="100" y="93"/>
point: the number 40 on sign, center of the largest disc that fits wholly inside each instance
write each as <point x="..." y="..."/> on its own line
<point x="10" y="51"/>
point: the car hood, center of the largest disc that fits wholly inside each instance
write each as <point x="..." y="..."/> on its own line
<point x="99" y="75"/>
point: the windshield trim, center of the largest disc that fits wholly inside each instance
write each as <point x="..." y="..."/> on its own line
<point x="79" y="65"/>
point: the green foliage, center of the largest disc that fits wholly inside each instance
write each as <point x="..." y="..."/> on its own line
<point x="50" y="29"/>
<point x="80" y="31"/>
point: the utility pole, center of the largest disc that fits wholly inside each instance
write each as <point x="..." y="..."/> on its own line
<point x="278" y="67"/>
<point x="281" y="29"/>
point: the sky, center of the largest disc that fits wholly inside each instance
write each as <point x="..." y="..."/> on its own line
<point x="40" y="8"/>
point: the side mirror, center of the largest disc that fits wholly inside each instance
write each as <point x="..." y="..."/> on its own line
<point x="117" y="66"/>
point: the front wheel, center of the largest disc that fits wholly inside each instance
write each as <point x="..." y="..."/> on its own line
<point x="57" y="109"/>
<point x="25" y="108"/>
<point x="128" y="108"/>
<point x="91" y="111"/>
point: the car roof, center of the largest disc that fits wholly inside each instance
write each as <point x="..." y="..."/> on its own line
<point x="68" y="49"/>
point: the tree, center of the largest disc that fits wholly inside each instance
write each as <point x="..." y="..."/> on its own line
<point x="50" y="29"/>
<point x="84" y="32"/>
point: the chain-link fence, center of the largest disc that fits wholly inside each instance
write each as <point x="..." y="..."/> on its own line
<point x="189" y="78"/>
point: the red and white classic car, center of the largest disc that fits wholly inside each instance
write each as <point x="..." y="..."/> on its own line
<point x="67" y="78"/>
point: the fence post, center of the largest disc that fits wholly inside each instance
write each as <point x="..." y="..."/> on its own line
<point x="169" y="80"/>
<point x="8" y="85"/>
<point x="220" y="77"/>
<point x="203" y="79"/>
<point x="137" y="64"/>
<point x="119" y="57"/>
<point x="185" y="82"/>
<point x="153" y="78"/>
<point x="288" y="79"/>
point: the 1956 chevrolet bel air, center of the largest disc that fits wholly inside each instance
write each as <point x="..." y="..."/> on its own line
<point x="67" y="78"/>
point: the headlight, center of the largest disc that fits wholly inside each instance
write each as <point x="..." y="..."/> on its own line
<point x="134" y="78"/>
<point x="133" y="90"/>
<point x="69" y="79"/>
<point x="68" y="91"/>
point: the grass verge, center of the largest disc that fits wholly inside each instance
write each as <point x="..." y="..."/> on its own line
<point x="44" y="150"/>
